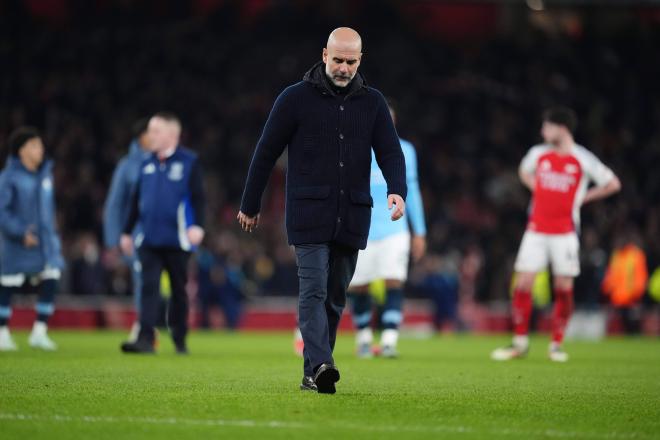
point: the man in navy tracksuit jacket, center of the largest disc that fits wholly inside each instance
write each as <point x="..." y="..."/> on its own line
<point x="31" y="249"/>
<point x="169" y="205"/>
<point x="330" y="121"/>
<point x="115" y="211"/>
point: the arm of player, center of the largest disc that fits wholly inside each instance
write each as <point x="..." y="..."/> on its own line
<point x="115" y="206"/>
<point x="527" y="179"/>
<point x="415" y="206"/>
<point x="527" y="168"/>
<point x="601" y="192"/>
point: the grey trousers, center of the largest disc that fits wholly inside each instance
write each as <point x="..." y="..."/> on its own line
<point x="324" y="271"/>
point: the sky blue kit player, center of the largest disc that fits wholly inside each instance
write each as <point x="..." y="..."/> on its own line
<point x="386" y="258"/>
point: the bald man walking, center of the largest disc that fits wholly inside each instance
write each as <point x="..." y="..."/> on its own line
<point x="330" y="121"/>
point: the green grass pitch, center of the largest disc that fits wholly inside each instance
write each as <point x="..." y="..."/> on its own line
<point x="246" y="386"/>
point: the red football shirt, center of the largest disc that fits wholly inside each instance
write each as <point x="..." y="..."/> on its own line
<point x="560" y="183"/>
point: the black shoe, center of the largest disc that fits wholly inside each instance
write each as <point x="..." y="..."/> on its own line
<point x="180" y="345"/>
<point x="308" y="384"/>
<point x="325" y="378"/>
<point x="139" y="346"/>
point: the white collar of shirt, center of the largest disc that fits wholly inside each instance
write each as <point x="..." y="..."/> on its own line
<point x="167" y="153"/>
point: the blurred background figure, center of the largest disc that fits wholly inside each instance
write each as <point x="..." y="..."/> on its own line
<point x="31" y="248"/>
<point x="220" y="280"/>
<point x="117" y="203"/>
<point x="88" y="276"/>
<point x="626" y="279"/>
<point x="440" y="282"/>
<point x="559" y="173"/>
<point x="169" y="203"/>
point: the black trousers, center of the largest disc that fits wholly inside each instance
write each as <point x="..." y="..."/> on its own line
<point x="325" y="271"/>
<point x="175" y="262"/>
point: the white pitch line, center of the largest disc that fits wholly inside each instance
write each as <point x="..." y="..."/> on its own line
<point x="550" y="433"/>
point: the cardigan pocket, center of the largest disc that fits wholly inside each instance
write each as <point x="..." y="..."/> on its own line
<point x="308" y="206"/>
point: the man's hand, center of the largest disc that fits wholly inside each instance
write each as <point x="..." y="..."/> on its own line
<point x="600" y="192"/>
<point x="248" y="223"/>
<point x="396" y="201"/>
<point x="126" y="244"/>
<point x="418" y="247"/>
<point x="195" y="235"/>
<point x="30" y="239"/>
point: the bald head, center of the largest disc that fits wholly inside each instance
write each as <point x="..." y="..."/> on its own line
<point x="342" y="56"/>
<point x="345" y="39"/>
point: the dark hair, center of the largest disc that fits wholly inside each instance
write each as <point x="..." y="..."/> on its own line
<point x="168" y="116"/>
<point x="19" y="137"/>
<point x="561" y="116"/>
<point x="139" y="127"/>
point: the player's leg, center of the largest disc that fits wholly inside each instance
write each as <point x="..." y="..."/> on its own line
<point x="362" y="316"/>
<point x="176" y="264"/>
<point x="152" y="266"/>
<point x="361" y="303"/>
<point x="564" y="253"/>
<point x="561" y="314"/>
<point x="136" y="278"/>
<point x="48" y="283"/>
<point x="395" y="257"/>
<point x="532" y="258"/>
<point x="8" y="286"/>
<point x="391" y="318"/>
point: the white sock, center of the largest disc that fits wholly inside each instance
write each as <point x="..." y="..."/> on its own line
<point x="364" y="336"/>
<point x="389" y="337"/>
<point x="521" y="341"/>
<point x="39" y="328"/>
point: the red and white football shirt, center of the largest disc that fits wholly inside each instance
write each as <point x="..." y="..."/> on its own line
<point x="560" y="184"/>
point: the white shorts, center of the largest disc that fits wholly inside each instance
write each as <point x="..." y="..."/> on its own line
<point x="18" y="279"/>
<point x="383" y="259"/>
<point x="562" y="251"/>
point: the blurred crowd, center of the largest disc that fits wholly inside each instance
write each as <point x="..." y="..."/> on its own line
<point x="469" y="98"/>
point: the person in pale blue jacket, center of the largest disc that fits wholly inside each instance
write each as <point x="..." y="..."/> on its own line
<point x="117" y="204"/>
<point x="30" y="246"/>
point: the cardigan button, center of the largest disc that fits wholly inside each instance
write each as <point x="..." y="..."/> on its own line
<point x="341" y="107"/>
<point x="341" y="136"/>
